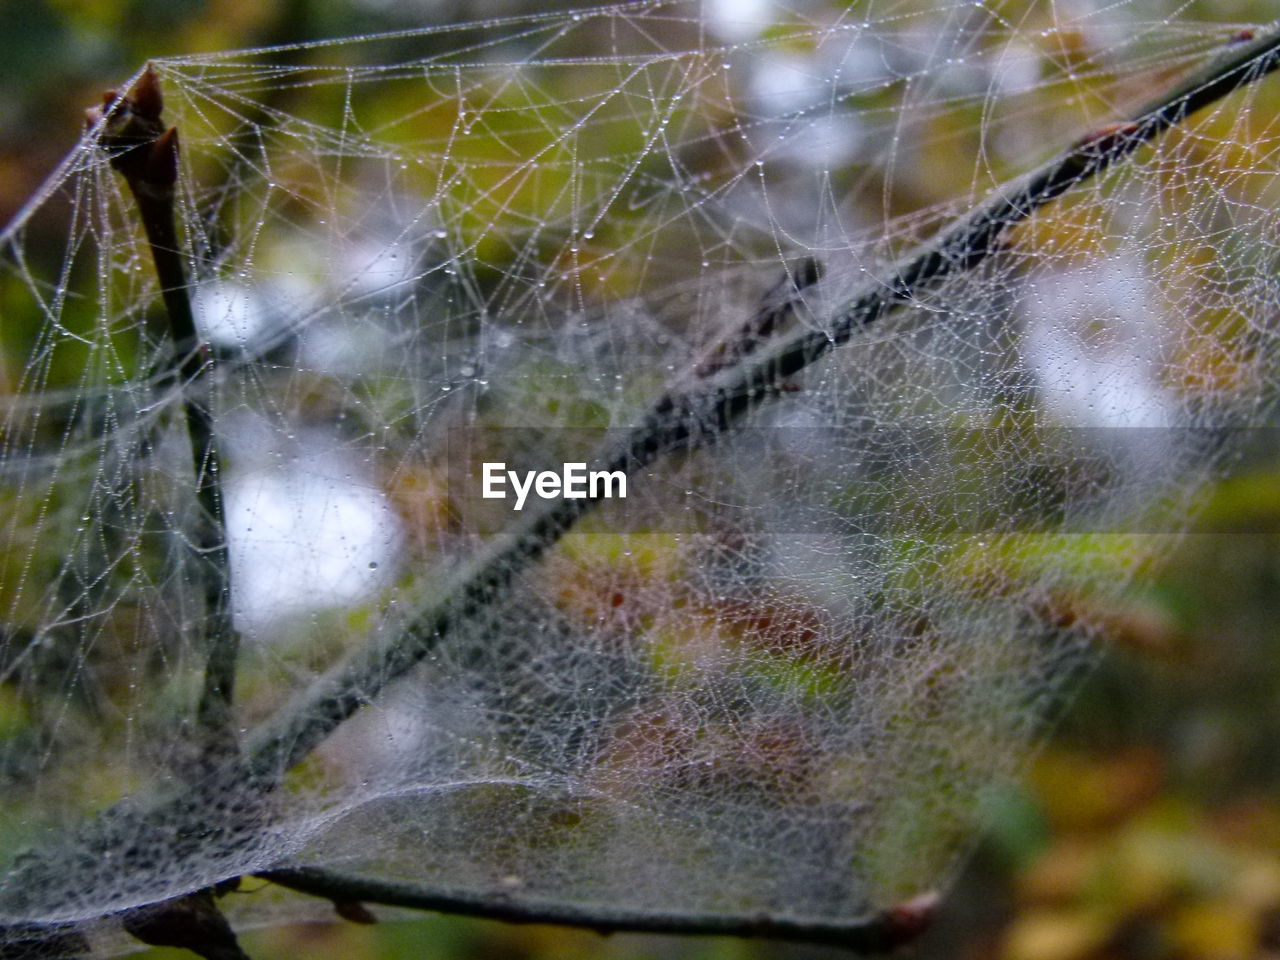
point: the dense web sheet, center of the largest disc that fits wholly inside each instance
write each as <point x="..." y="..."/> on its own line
<point x="785" y="674"/>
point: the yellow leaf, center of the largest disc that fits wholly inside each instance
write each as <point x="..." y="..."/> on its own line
<point x="1054" y="935"/>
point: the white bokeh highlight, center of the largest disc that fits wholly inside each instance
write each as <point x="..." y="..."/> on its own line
<point x="313" y="532"/>
<point x="1092" y="341"/>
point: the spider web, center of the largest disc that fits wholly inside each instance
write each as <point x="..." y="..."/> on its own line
<point x="785" y="674"/>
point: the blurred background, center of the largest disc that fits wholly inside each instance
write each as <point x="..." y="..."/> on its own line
<point x="1148" y="827"/>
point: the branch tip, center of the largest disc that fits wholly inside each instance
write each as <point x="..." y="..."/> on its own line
<point x="140" y="146"/>
<point x="906" y="921"/>
<point x="145" y="151"/>
<point x="147" y="96"/>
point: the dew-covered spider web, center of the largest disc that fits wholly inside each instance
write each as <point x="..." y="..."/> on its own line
<point x="785" y="674"/>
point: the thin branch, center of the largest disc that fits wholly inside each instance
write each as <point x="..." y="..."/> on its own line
<point x="712" y="406"/>
<point x="147" y="154"/>
<point x="879" y="932"/>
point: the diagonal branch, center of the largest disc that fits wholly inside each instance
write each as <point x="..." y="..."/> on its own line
<point x="147" y="154"/>
<point x="689" y="417"/>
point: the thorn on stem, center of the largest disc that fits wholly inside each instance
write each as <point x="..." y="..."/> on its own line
<point x="192" y="922"/>
<point x="354" y="911"/>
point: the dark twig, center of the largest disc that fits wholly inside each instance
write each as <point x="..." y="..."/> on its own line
<point x="147" y="154"/>
<point x="876" y="933"/>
